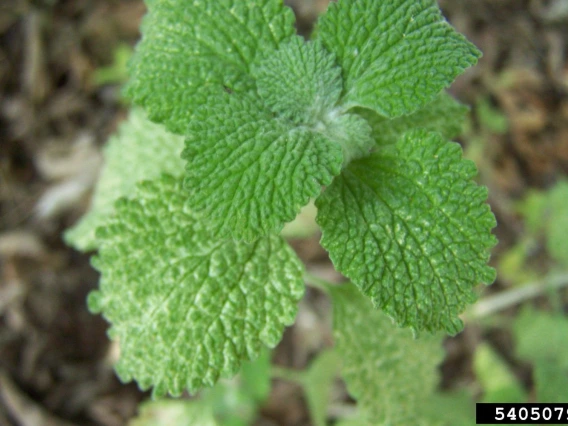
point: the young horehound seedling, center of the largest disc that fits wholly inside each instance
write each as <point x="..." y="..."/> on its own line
<point x="255" y="122"/>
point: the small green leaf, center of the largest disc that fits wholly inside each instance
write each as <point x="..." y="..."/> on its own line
<point x="318" y="384"/>
<point x="174" y="413"/>
<point x="444" y="115"/>
<point x="396" y="55"/>
<point x="541" y="339"/>
<point x="255" y="377"/>
<point x="541" y="336"/>
<point x="300" y="81"/>
<point x="117" y="72"/>
<point x="533" y="209"/>
<point x="497" y="380"/>
<point x="351" y="132"/>
<point x="139" y="150"/>
<point x="557" y="223"/>
<point x="412" y="230"/>
<point x="189" y="45"/>
<point x="185" y="307"/>
<point x="389" y="373"/>
<point x="250" y="172"/>
<point x="491" y="118"/>
<point x="236" y="401"/>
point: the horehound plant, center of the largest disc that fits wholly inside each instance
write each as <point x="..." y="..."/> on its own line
<point x="240" y="122"/>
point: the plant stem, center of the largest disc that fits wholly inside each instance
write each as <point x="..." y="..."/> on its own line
<point x="506" y="299"/>
<point x="316" y="282"/>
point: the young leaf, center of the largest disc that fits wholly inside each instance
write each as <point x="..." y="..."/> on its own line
<point x="140" y="150"/>
<point x="386" y="370"/>
<point x="396" y="55"/>
<point x="189" y="45"/>
<point x="411" y="229"/>
<point x="186" y="307"/>
<point x="444" y="115"/>
<point x="300" y="81"/>
<point x="251" y="172"/>
<point x="351" y="132"/>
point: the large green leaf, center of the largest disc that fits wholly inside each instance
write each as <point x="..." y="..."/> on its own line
<point x="412" y="230"/>
<point x="250" y="172"/>
<point x="396" y="55"/>
<point x="185" y="307"/>
<point x="190" y="45"/>
<point x="391" y="374"/>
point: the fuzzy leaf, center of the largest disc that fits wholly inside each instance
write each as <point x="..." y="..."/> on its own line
<point x="190" y="45"/>
<point x="380" y="364"/>
<point x="185" y="307"/>
<point x="139" y="150"/>
<point x="300" y="81"/>
<point x="444" y="115"/>
<point x="250" y="172"/>
<point x="412" y="230"/>
<point x="396" y="55"/>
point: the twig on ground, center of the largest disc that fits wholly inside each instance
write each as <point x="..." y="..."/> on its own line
<point x="509" y="298"/>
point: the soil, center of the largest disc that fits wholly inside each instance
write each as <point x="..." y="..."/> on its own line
<point x="55" y="358"/>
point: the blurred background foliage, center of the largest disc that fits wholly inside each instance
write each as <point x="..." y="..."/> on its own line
<point x="62" y="63"/>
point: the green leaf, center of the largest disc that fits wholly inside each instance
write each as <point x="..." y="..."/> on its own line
<point x="380" y="364"/>
<point x="541" y="339"/>
<point x="250" y="172"/>
<point x="444" y="115"/>
<point x="117" y="72"/>
<point x="318" y="383"/>
<point x="236" y="402"/>
<point x="533" y="210"/>
<point x="351" y="132"/>
<point x="174" y="413"/>
<point x="449" y="409"/>
<point x="139" y="150"/>
<point x="396" y="55"/>
<point x="185" y="307"/>
<point x="491" y="118"/>
<point x="255" y="377"/>
<point x="497" y="380"/>
<point x="412" y="230"/>
<point x="550" y="382"/>
<point x="557" y="224"/>
<point x="190" y="45"/>
<point x="300" y="81"/>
